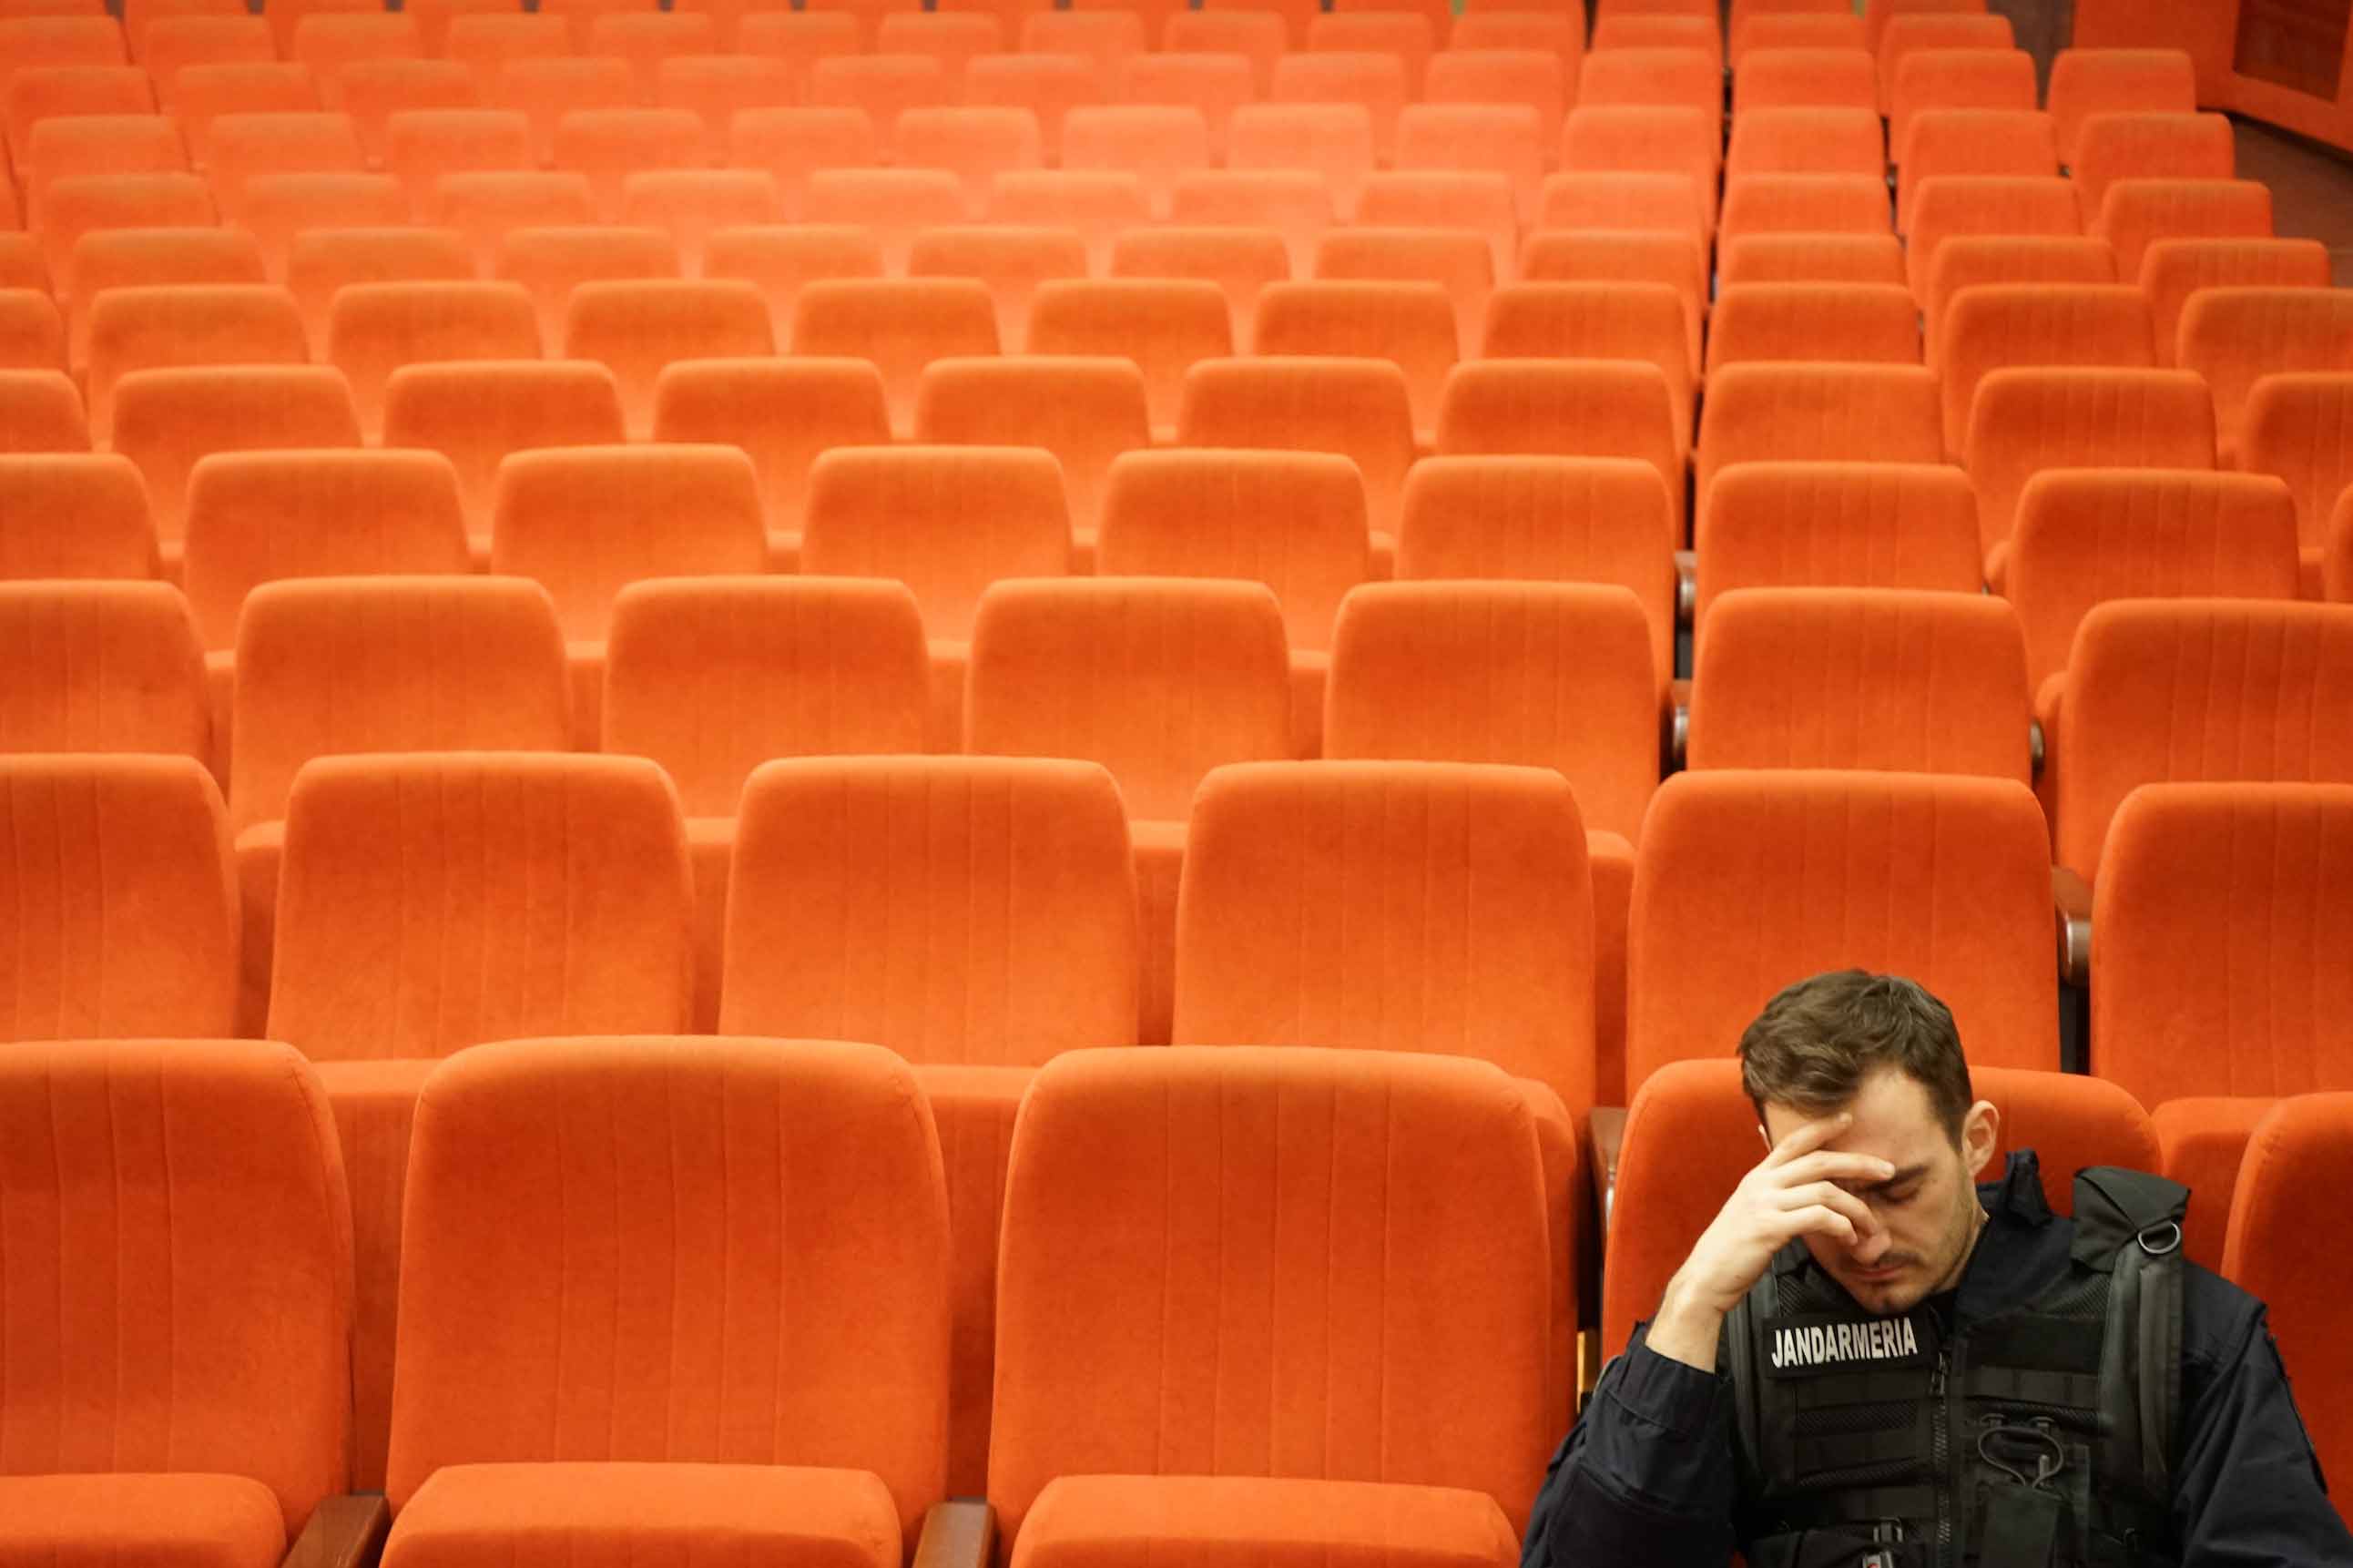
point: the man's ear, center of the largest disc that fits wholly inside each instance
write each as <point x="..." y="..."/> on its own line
<point x="1980" y="1132"/>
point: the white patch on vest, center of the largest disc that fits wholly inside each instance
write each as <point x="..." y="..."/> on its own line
<point x="1821" y="1344"/>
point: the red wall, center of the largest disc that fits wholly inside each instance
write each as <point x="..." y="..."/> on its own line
<point x="2208" y="30"/>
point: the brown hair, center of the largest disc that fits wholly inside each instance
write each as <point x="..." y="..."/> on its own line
<point x="1815" y="1043"/>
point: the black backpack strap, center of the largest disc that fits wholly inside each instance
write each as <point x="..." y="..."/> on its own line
<point x="2128" y="1224"/>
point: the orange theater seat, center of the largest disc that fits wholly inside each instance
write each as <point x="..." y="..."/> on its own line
<point x="1735" y="861"/>
<point x="544" y="90"/>
<point x="1461" y="261"/>
<point x="1806" y="142"/>
<point x="902" y="325"/>
<point x="1297" y="204"/>
<point x="1333" y="139"/>
<point x="186" y="324"/>
<point x="1212" y="85"/>
<point x="1504" y="142"/>
<point x="1412" y="325"/>
<point x="2137" y="214"/>
<point x="31" y="93"/>
<point x="1885" y="678"/>
<point x="487" y="207"/>
<point x="373" y="328"/>
<point x="2013" y="325"/>
<point x="1803" y="204"/>
<point x="1108" y="38"/>
<point x="1085" y="410"/>
<point x="882" y="85"/>
<point x="1837" y="524"/>
<point x="201" y="94"/>
<point x="1571" y="408"/>
<point x="893" y="205"/>
<point x="947" y="521"/>
<point x="784" y="413"/>
<point x="1969" y="262"/>
<point x="636" y="330"/>
<point x="1651" y="78"/>
<point x="2300" y="428"/>
<point x="719" y="87"/>
<point x="1113" y="1148"/>
<point x="1293" y="520"/>
<point x="791" y="144"/>
<point x="1873" y="323"/>
<point x="1624" y="256"/>
<point x="711" y="677"/>
<point x="375" y="92"/>
<point x="1892" y="27"/>
<point x="581" y="16"/>
<point x="1379" y="30"/>
<point x="1159" y="680"/>
<point x="1802" y="258"/>
<point x="2208" y="1031"/>
<point x="1011" y="260"/>
<point x="1559" y="36"/>
<point x="487" y="43"/>
<point x="1529" y="75"/>
<point x="136" y="1168"/>
<point x="1159" y="144"/>
<point x="1238" y="261"/>
<point x="691" y="204"/>
<point x="1793" y="24"/>
<point x="553" y="262"/>
<point x="796" y="38"/>
<point x="2085" y="82"/>
<point x="2031" y="420"/>
<point x="2171" y="270"/>
<point x="81" y="145"/>
<point x="32" y="333"/>
<point x="1018" y="873"/>
<point x="611" y="145"/>
<point x="1100" y="204"/>
<point x="2187" y="690"/>
<point x="167" y="419"/>
<point x="1049" y="86"/>
<point x="1684" y="141"/>
<point x="975" y="145"/>
<point x="587" y="522"/>
<point x="1951" y="205"/>
<point x="86" y="202"/>
<point x="1816" y="413"/>
<point x="1806" y="78"/>
<point x="100" y="667"/>
<point x="1621" y="29"/>
<point x="74" y="515"/>
<point x="1427" y="199"/>
<point x="1165" y="325"/>
<point x="476" y="412"/>
<point x="2236" y="337"/>
<point x="2128" y="146"/>
<point x="1650" y="323"/>
<point x="1941" y="80"/>
<point x="277" y="208"/>
<point x="953" y="39"/>
<point x="781" y="261"/>
<point x="322" y="263"/>
<point x="1359" y="408"/>
<point x="1376" y="83"/>
<point x="648" y="40"/>
<point x="328" y="44"/>
<point x="1971" y="145"/>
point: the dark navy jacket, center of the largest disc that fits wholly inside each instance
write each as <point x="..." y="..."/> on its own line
<point x="1647" y="1479"/>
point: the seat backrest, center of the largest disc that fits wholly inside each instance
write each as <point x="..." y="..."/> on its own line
<point x="1411" y="324"/>
<point x="2001" y="326"/>
<point x="1016" y="871"/>
<point x="2088" y="536"/>
<point x="2112" y="145"/>
<point x="544" y="90"/>
<point x="883" y="85"/>
<point x="2300" y="428"/>
<point x="1971" y="261"/>
<point x="1650" y="323"/>
<point x="166" y="419"/>
<point x="1793" y="24"/>
<point x="2138" y="213"/>
<point x="1293" y="520"/>
<point x="1215" y="84"/>
<point x="186" y="324"/>
<point x="1948" y="205"/>
<point x="712" y="676"/>
<point x="1970" y="144"/>
<point x="1909" y="27"/>
<point x="553" y="261"/>
<point x="485" y="206"/>
<point x="280" y="207"/>
<point x="1404" y="233"/>
<point x="374" y="328"/>
<point x="135" y="1168"/>
<point x="2165" y="691"/>
<point x="2275" y="1250"/>
<point x="1507" y="139"/>
<point x="1816" y="413"/>
<point x="1552" y="675"/>
<point x="646" y="38"/>
<point x="1241" y="260"/>
<point x="1130" y="1171"/>
<point x="100" y="667"/>
<point x="1872" y="323"/>
<point x="830" y="1157"/>
<point x="1159" y="680"/>
<point x="1672" y="200"/>
<point x="717" y="88"/>
<point x="1929" y="81"/>
<point x="64" y="146"/>
<point x="1805" y="78"/>
<point x="1374" y="82"/>
<point x="68" y="514"/>
<point x="1624" y="256"/>
<point x="975" y="144"/>
<point x="1804" y="202"/>
<point x="609" y="145"/>
<point x="2085" y="82"/>
<point x="487" y="42"/>
<point x="117" y="946"/>
<point x="1407" y="34"/>
<point x="638" y="329"/>
<point x="2171" y="270"/>
<point x="1692" y="1134"/>
<point x="784" y="413"/>
<point x="1013" y="261"/>
<point x="901" y="324"/>
<point x="2031" y="420"/>
<point x="41" y="411"/>
<point x="1573" y="408"/>
<point x="1049" y="86"/>
<point x="1359" y="408"/>
<point x="587" y="522"/>
<point x="260" y="517"/>
<point x="320" y="263"/>
<point x="1165" y="325"/>
<point x="243" y="147"/>
<point x="390" y="664"/>
<point x="380" y="94"/>
<point x="1652" y="140"/>
<point x="2182" y="1004"/>
<point x="32" y="332"/>
<point x="1895" y="678"/>
<point x="2235" y="337"/>
<point x="563" y="905"/>
<point x="946" y="520"/>
<point x="423" y="147"/>
<point x="1838" y="525"/>
<point x="1778" y="875"/>
<point x="1661" y="77"/>
<point x="475" y="413"/>
<point x="1806" y="142"/>
<point x="1562" y="519"/>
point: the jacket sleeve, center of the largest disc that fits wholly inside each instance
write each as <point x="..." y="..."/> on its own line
<point x="1645" y="1476"/>
<point x="2248" y="1488"/>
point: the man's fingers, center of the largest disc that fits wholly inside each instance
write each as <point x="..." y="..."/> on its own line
<point x="1826" y="1195"/>
<point x="1828" y="1165"/>
<point x="1808" y="1138"/>
<point x="1819" y="1220"/>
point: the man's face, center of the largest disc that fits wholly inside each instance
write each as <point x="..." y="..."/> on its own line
<point x="1929" y="1210"/>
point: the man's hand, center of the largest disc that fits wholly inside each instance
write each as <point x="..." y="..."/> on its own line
<point x="1793" y="1193"/>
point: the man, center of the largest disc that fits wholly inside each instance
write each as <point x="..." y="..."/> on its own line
<point x="1869" y="1361"/>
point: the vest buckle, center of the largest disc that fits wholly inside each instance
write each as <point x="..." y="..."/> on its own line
<point x="2048" y="1456"/>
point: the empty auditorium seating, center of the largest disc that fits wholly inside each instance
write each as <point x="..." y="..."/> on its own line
<point x="799" y="40"/>
<point x="2189" y="690"/>
<point x="883" y="85"/>
<point x="1645" y="141"/>
<point x="1426" y="200"/>
<point x="610" y="145"/>
<point x="475" y="413"/>
<point x="647" y="40"/>
<point x="1804" y="204"/>
<point x="1378" y="31"/>
<point x="99" y="667"/>
<point x="901" y="325"/>
<point x="138" y="1169"/>
<point x="1358" y="408"/>
<point x="2138" y="213"/>
<point x="1459" y="261"/>
<point x="374" y="328"/>
<point x="1240" y="262"/>
<point x="68" y="146"/>
<point x="2031" y="420"/>
<point x="953" y="40"/>
<point x="2234" y="337"/>
<point x="423" y="147"/>
<point x="32" y="332"/>
<point x="1973" y="144"/>
<point x="1968" y="261"/>
<point x="1871" y="323"/>
<point x="1806" y="142"/>
<point x="719" y="87"/>
<point x="277" y="207"/>
<point x="185" y="324"/>
<point x="1523" y="75"/>
<point x="488" y="206"/>
<point x="2300" y="428"/>
<point x="894" y="205"/>
<point x="947" y="521"/>
<point x="328" y="44"/>
<point x="1563" y="37"/>
<point x="2173" y="269"/>
<point x="2085" y="82"/>
<point x="1049" y="86"/>
<point x="975" y="145"/>
<point x="1627" y="200"/>
<point x="40" y="411"/>
<point x="1807" y="78"/>
<point x="544" y="90"/>
<point x="541" y="855"/>
<point x="783" y="259"/>
<point x="783" y="413"/>
<point x="1911" y="26"/>
<point x="1214" y="84"/>
<point x="1652" y="78"/>
<point x="1074" y="1420"/>
<point x="2109" y="147"/>
<point x="1827" y="26"/>
<point x="1726" y="854"/>
<point x="30" y="93"/>
<point x="73" y="515"/>
<point x="2009" y="325"/>
<point x="1085" y="410"/>
<point x="1038" y="849"/>
<point x="1293" y="520"/>
<point x="1159" y="145"/>
<point x="244" y="147"/>
<point x="1109" y="38"/>
<point x="376" y="93"/>
<point x="552" y="262"/>
<point x="82" y="204"/>
<point x="1878" y="525"/>
<point x="1624" y="256"/>
<point x="1097" y="203"/>
<point x="1576" y="408"/>
<point x="636" y="329"/>
<point x="1165" y="325"/>
<point x="1650" y="323"/>
<point x="1295" y="204"/>
<point x="1691" y="1135"/>
<point x="1833" y="413"/>
<point x="321" y="262"/>
<point x="487" y="44"/>
<point x="1928" y="81"/>
<point x="1954" y="204"/>
<point x="1158" y="679"/>
<point x="1012" y="260"/>
<point x="1862" y="678"/>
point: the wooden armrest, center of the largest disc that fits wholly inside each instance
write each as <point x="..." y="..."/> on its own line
<point x="2071" y="897"/>
<point x="1686" y="585"/>
<point x="958" y="1534"/>
<point x="345" y="1531"/>
<point x="1608" y="1125"/>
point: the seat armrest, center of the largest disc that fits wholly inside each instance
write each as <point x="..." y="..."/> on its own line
<point x="2037" y="748"/>
<point x="1679" y="735"/>
<point x="2071" y="898"/>
<point x="957" y="1534"/>
<point x="1608" y="1124"/>
<point x="1686" y="585"/>
<point x="345" y="1531"/>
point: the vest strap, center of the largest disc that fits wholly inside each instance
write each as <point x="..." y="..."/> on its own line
<point x="2021" y="1525"/>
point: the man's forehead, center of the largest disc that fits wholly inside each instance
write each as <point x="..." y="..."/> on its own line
<point x="1891" y="1111"/>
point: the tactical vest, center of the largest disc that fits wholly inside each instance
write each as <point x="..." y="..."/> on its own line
<point x="2041" y="1438"/>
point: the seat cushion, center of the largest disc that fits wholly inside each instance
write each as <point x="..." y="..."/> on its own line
<point x="160" y="1521"/>
<point x="1213" y="1522"/>
<point x="614" y="1515"/>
